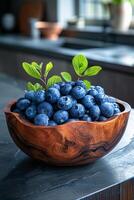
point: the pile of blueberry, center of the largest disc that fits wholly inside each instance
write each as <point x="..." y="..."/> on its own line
<point x="65" y="102"/>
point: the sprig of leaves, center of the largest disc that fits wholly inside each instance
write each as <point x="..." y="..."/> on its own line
<point x="36" y="71"/>
<point x="80" y="65"/>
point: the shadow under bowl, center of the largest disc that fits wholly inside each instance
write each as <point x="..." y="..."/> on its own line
<point x="73" y="143"/>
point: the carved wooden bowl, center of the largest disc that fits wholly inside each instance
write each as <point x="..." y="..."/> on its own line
<point x="74" y="143"/>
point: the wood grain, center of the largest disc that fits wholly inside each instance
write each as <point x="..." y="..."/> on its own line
<point x="122" y="191"/>
<point x="74" y="143"/>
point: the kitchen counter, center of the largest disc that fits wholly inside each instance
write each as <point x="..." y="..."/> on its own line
<point x="118" y="57"/>
<point x="22" y="178"/>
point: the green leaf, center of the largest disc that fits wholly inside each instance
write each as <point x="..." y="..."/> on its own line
<point x="87" y="84"/>
<point x="92" y="71"/>
<point x="49" y="66"/>
<point x="34" y="87"/>
<point x="80" y="64"/>
<point x="30" y="86"/>
<point x="38" y="86"/>
<point x="31" y="70"/>
<point x="52" y="80"/>
<point x="37" y="66"/>
<point x="66" y="76"/>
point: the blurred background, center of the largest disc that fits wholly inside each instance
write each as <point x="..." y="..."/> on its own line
<point x="56" y="30"/>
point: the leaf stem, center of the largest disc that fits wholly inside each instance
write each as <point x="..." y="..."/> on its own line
<point x="44" y="82"/>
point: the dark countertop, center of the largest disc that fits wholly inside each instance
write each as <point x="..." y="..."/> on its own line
<point x="21" y="178"/>
<point x="114" y="57"/>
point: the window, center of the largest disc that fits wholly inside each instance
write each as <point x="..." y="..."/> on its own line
<point x="92" y="9"/>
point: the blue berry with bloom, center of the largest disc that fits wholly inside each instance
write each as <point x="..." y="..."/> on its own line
<point x="61" y="116"/>
<point x="95" y="112"/>
<point x="100" y="98"/>
<point x="77" y="111"/>
<point x="52" y="123"/>
<point x="80" y="83"/>
<point x="88" y="101"/>
<point x="23" y="104"/>
<point x="110" y="99"/>
<point x="39" y="96"/>
<point x="41" y="120"/>
<point x="107" y="109"/>
<point x="52" y="95"/>
<point x="30" y="95"/>
<point x="31" y="112"/>
<point x="74" y="101"/>
<point x="64" y="103"/>
<point x="78" y="92"/>
<point x="99" y="89"/>
<point x="57" y="86"/>
<point x="102" y="118"/>
<point x="92" y="91"/>
<point x="65" y="89"/>
<point x="45" y="108"/>
<point x="116" y="111"/>
<point x="86" y="118"/>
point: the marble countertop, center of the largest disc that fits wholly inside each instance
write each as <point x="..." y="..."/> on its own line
<point x="117" y="57"/>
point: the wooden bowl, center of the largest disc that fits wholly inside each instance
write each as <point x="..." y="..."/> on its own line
<point x="74" y="143"/>
<point x="50" y="31"/>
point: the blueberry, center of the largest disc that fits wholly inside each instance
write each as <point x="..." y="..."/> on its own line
<point x="99" y="89"/>
<point x="72" y="83"/>
<point x="30" y="112"/>
<point x="77" y="110"/>
<point x="88" y="101"/>
<point x="102" y="118"/>
<point x="39" y="96"/>
<point x="107" y="109"/>
<point x="57" y="86"/>
<point x="52" y="95"/>
<point x="22" y="104"/>
<point x="116" y="111"/>
<point x="45" y="108"/>
<point x="92" y="87"/>
<point x="80" y="83"/>
<point x="95" y="112"/>
<point x="110" y="99"/>
<point x="61" y="116"/>
<point x="52" y="123"/>
<point x="78" y="92"/>
<point x="41" y="120"/>
<point x="64" y="103"/>
<point x="93" y="92"/>
<point x="30" y="95"/>
<point x="61" y="83"/>
<point x="100" y="98"/>
<point x="74" y="101"/>
<point x="86" y="118"/>
<point x="116" y="105"/>
<point x="65" y="89"/>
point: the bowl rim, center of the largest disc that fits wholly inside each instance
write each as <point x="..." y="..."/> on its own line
<point x="7" y="110"/>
